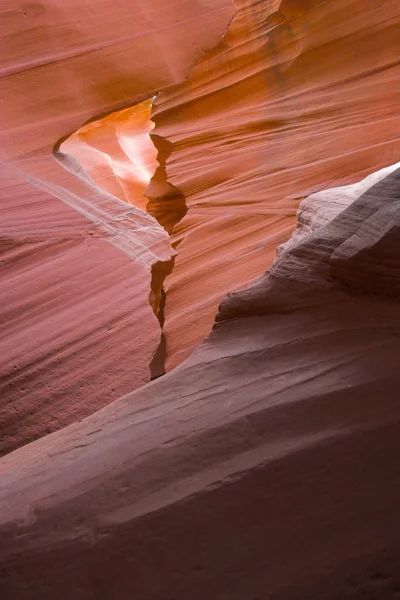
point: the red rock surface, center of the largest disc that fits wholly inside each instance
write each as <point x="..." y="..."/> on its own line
<point x="249" y="134"/>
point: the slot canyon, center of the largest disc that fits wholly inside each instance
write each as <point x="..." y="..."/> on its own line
<point x="200" y="287"/>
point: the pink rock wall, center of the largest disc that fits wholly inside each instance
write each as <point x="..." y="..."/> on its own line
<point x="264" y="464"/>
<point x="77" y="330"/>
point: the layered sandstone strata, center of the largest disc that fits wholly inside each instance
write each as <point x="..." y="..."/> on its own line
<point x="296" y="97"/>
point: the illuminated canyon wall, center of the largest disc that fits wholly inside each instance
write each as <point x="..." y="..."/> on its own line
<point x="117" y="152"/>
<point x="297" y="97"/>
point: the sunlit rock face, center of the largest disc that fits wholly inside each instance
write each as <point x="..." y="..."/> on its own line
<point x="117" y="152"/>
<point x="297" y="97"/>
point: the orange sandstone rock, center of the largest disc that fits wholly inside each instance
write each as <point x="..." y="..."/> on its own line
<point x="280" y="108"/>
<point x="266" y="465"/>
<point x="299" y="96"/>
<point x="117" y="152"/>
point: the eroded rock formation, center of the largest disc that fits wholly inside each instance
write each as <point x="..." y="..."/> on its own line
<point x="274" y="88"/>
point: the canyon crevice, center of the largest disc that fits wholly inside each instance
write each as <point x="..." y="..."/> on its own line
<point x="117" y="154"/>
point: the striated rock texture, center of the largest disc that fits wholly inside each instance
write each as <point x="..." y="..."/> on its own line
<point x="263" y="466"/>
<point x="348" y="242"/>
<point x="116" y="152"/>
<point x="76" y="328"/>
<point x="299" y="96"/>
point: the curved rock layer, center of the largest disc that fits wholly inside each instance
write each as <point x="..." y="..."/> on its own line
<point x="299" y="96"/>
<point x="264" y="466"/>
<point x="76" y="328"/>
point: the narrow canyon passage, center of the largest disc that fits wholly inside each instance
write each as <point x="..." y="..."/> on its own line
<point x="250" y="132"/>
<point x="264" y="463"/>
<point x="270" y="116"/>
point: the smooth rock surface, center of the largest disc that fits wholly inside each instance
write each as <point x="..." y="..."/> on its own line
<point x="264" y="466"/>
<point x="117" y="152"/>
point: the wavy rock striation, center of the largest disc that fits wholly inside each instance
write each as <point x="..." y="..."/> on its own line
<point x="299" y="96"/>
<point x="264" y="465"/>
<point x="282" y="87"/>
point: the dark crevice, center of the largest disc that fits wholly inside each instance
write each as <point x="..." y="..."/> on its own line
<point x="166" y="203"/>
<point x="168" y="206"/>
<point x="159" y="272"/>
